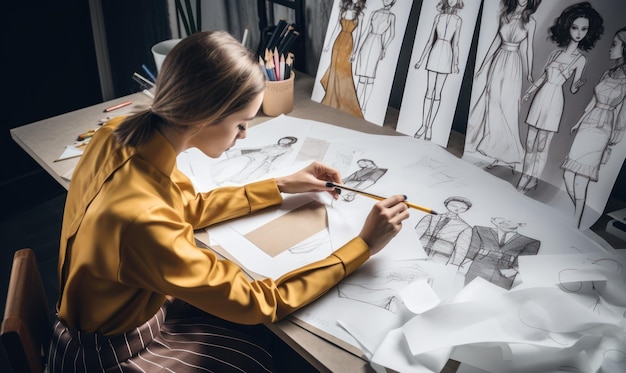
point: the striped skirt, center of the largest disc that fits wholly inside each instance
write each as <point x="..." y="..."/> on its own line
<point x="184" y="339"/>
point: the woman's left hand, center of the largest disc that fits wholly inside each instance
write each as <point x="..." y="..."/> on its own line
<point x="312" y="178"/>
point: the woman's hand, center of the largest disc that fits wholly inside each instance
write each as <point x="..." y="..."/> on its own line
<point x="312" y="178"/>
<point x="384" y="222"/>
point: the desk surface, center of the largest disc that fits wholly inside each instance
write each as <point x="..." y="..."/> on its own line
<point x="46" y="140"/>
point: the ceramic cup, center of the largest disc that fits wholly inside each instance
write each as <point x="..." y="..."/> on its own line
<point x="160" y="50"/>
<point x="278" y="98"/>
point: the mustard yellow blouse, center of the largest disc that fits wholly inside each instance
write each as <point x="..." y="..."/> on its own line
<point x="128" y="240"/>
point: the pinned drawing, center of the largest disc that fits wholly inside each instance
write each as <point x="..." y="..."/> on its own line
<point x="379" y="33"/>
<point x="494" y="251"/>
<point x="599" y="130"/>
<point x="358" y="61"/>
<point x="363" y="178"/>
<point x="446" y="235"/>
<point x="245" y="165"/>
<point x="493" y="127"/>
<point x="338" y="81"/>
<point x="577" y="29"/>
<point x="440" y="50"/>
<point x="441" y="55"/>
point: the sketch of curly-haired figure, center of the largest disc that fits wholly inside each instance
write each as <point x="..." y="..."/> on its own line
<point x="443" y="235"/>
<point x="366" y="176"/>
<point x="244" y="165"/>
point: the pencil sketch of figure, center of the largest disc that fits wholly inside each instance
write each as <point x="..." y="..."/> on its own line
<point x="381" y="288"/>
<point x="442" y="54"/>
<point x="577" y="29"/>
<point x="243" y="165"/>
<point x="338" y="81"/>
<point x="600" y="128"/>
<point x="443" y="235"/>
<point x="493" y="127"/>
<point x="493" y="252"/>
<point x="379" y="33"/>
<point x="366" y="176"/>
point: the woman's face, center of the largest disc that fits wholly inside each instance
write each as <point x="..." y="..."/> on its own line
<point x="579" y="28"/>
<point x="617" y="49"/>
<point x="215" y="139"/>
<point x="522" y="3"/>
<point x="452" y="3"/>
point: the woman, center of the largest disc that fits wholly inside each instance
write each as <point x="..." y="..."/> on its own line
<point x="601" y="127"/>
<point x="442" y="50"/>
<point x="493" y="127"/>
<point x="577" y="29"/>
<point x="380" y="32"/>
<point x="136" y="293"/>
<point x="338" y="82"/>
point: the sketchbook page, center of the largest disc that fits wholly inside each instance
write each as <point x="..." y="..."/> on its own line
<point x="359" y="56"/>
<point x="564" y="128"/>
<point x="440" y="50"/>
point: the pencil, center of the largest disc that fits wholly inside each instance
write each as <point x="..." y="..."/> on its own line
<point x="114" y="107"/>
<point x="379" y="198"/>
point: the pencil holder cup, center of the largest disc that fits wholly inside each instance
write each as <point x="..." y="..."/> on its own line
<point x="161" y="49"/>
<point x="278" y="98"/>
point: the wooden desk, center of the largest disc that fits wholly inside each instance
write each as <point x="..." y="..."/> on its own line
<point x="45" y="140"/>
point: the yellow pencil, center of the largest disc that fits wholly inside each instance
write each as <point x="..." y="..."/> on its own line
<point x="379" y="198"/>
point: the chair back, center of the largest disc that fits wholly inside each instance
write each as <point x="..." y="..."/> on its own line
<point x="27" y="324"/>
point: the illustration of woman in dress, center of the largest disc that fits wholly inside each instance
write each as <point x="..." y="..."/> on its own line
<point x="577" y="29"/>
<point x="442" y="54"/>
<point x="600" y="128"/>
<point x="380" y="32"/>
<point x="337" y="81"/>
<point x="493" y="126"/>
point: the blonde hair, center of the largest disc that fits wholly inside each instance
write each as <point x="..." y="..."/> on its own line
<point x="206" y="77"/>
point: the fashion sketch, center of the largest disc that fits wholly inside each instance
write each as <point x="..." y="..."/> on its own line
<point x="366" y="176"/>
<point x="493" y="127"/>
<point x="576" y="29"/>
<point x="600" y="128"/>
<point x="446" y="235"/>
<point x="382" y="287"/>
<point x="494" y="251"/>
<point x="380" y="31"/>
<point x="244" y="165"/>
<point x="338" y="81"/>
<point x="441" y="54"/>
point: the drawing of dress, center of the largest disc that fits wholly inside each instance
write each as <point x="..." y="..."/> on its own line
<point x="373" y="46"/>
<point x="337" y="81"/>
<point x="494" y="118"/>
<point x="492" y="254"/>
<point x="440" y="58"/>
<point x="596" y="127"/>
<point x="443" y="235"/>
<point x="546" y="110"/>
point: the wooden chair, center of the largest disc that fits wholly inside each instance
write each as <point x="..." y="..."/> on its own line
<point x="27" y="323"/>
<point x="267" y="23"/>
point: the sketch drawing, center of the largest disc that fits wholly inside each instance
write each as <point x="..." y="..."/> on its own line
<point x="493" y="128"/>
<point x="244" y="165"/>
<point x="366" y="176"/>
<point x="338" y="81"/>
<point x="442" y="55"/>
<point x="600" y="128"/>
<point x="493" y="252"/>
<point x="576" y="29"/>
<point x="380" y="31"/>
<point x="381" y="288"/>
<point x="446" y="234"/>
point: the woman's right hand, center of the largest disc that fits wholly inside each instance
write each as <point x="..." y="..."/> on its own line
<point x="384" y="222"/>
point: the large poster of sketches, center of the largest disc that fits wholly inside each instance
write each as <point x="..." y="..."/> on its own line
<point x="547" y="111"/>
<point x="359" y="57"/>
<point x="440" y="50"/>
<point x="483" y="256"/>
